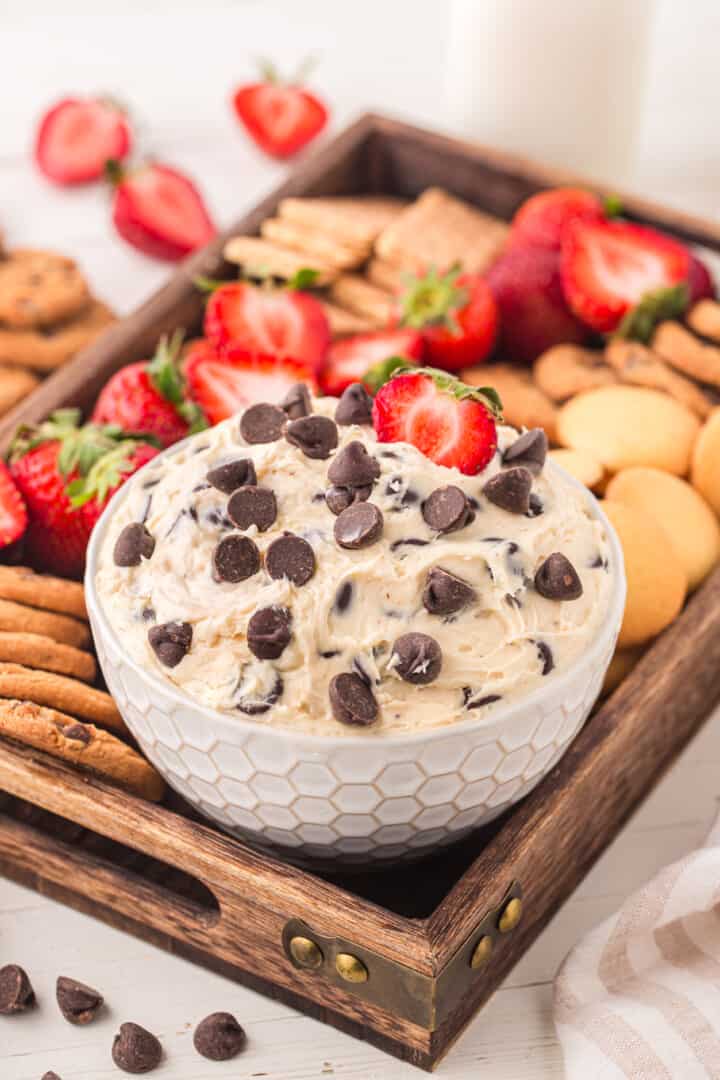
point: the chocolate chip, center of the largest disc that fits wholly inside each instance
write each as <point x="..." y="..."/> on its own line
<point x="170" y="641"/>
<point x="133" y="544"/>
<point x="236" y="558"/>
<point x="233" y="475"/>
<point x="135" y="1050"/>
<point x="447" y="509"/>
<point x="262" y="423"/>
<point x="358" y="526"/>
<point x="16" y="993"/>
<point x="510" y="490"/>
<point x="557" y="579"/>
<point x="50" y="1076"/>
<point x="354" y="406"/>
<point x="408" y="541"/>
<point x="529" y="450"/>
<point x="296" y="403"/>
<point x="417" y="658"/>
<point x="148" y="614"/>
<point x="268" y="632"/>
<point x="353" y="467"/>
<point x="535" y="505"/>
<point x="352" y="700"/>
<point x="343" y="597"/>
<point x="252" y="505"/>
<point x="545" y="654"/>
<point x="477" y="703"/>
<point x="316" y="436"/>
<point x="444" y="594"/>
<point x="219" y="1037"/>
<point x="78" y="732"/>
<point x="78" y="1003"/>
<point x="339" y="498"/>
<point x="292" y="557"/>
<point x="254" y="706"/>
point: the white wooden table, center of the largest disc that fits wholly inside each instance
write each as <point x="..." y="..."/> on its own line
<point x="175" y="65"/>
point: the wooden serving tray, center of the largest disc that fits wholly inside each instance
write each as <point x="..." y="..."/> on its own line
<point x="172" y="879"/>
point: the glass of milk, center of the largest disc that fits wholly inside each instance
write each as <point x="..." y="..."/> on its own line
<point x="557" y="80"/>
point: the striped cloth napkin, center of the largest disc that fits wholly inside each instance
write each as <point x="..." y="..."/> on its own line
<point x="639" y="997"/>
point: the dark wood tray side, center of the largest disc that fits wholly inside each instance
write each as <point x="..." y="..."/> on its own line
<point x="545" y="845"/>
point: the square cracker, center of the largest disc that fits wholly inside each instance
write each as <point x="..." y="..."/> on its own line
<point x="357" y="294"/>
<point x="385" y="275"/>
<point x="353" y="220"/>
<point x="259" y="258"/>
<point x="343" y="323"/>
<point x="312" y="242"/>
<point x="440" y="230"/>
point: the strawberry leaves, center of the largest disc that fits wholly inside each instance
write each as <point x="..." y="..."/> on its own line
<point x="667" y="303"/>
<point x="433" y="299"/>
<point x="165" y="375"/>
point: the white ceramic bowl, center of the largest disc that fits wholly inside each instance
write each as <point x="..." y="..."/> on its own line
<point x="352" y="798"/>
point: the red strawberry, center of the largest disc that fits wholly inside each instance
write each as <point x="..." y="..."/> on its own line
<point x="526" y="284"/>
<point x="457" y="314"/>
<point x="699" y="279"/>
<point x="280" y="117"/>
<point x="149" y="397"/>
<point x="78" y="136"/>
<point x="13" y="512"/>
<point x="278" y="322"/>
<point x="224" y="383"/>
<point x="67" y="474"/>
<point x="451" y="423"/>
<point x="608" y="267"/>
<point x="542" y="218"/>
<point x="159" y="211"/>
<point x="350" y="359"/>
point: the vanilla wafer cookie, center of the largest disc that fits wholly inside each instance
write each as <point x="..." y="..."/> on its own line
<point x="524" y="404"/>
<point x="45" y="351"/>
<point x="311" y="243"/>
<point x="260" y="259"/>
<point x="343" y="323"/>
<point x="704" y="319"/>
<point x="566" y="370"/>
<point x="686" y="353"/>
<point x="39" y="288"/>
<point x="23" y="585"/>
<point x="15" y="384"/>
<point x="385" y="275"/>
<point x="90" y="747"/>
<point x="63" y="628"/>
<point x="38" y="651"/>
<point x="640" y="366"/>
<point x="440" y="230"/>
<point x="354" y="220"/>
<point x="60" y="692"/>
<point x="354" y="292"/>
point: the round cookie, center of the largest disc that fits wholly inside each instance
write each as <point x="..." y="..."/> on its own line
<point x="524" y="404"/>
<point x="705" y="471"/>
<point x="45" y="350"/>
<point x="656" y="579"/>
<point x="566" y="370"/>
<point x="39" y="288"/>
<point x="583" y="466"/>
<point x="684" y="515"/>
<point x="627" y="425"/>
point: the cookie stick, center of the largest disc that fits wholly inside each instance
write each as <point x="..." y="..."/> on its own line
<point x="684" y="351"/>
<point x="640" y="366"/>
<point x="60" y="692"/>
<point x="24" y="586"/>
<point x="39" y="651"/>
<point x="62" y="628"/>
<point x="80" y="744"/>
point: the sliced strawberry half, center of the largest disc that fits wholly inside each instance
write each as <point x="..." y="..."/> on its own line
<point x="13" y="512"/>
<point x="224" y="384"/>
<point x="350" y="359"/>
<point x="541" y="220"/>
<point x="608" y="267"/>
<point x="451" y="423"/>
<point x="78" y="136"/>
<point x="281" y="117"/>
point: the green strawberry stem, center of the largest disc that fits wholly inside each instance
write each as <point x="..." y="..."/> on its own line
<point x="667" y="303"/>
<point x="165" y="375"/>
<point x="433" y="299"/>
<point x="114" y="171"/>
<point x="384" y="370"/>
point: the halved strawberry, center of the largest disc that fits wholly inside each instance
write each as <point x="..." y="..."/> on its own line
<point x="159" y="210"/>
<point x="350" y="359"/>
<point x="542" y="218"/>
<point x="457" y="315"/>
<point x="224" y="383"/>
<point x="451" y="423"/>
<point x="13" y="512"/>
<point x="78" y="136"/>
<point x="280" y="117"/>
<point x="608" y="267"/>
<point x="278" y="322"/>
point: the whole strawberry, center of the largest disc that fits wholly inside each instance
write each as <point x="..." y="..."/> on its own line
<point x="456" y="314"/>
<point x="67" y="473"/>
<point x="149" y="397"/>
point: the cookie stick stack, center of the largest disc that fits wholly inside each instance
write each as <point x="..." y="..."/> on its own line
<point x="46" y="671"/>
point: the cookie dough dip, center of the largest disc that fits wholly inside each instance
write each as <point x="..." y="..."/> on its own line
<point x="288" y="568"/>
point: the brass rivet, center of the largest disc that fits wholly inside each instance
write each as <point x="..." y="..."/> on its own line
<point x="350" y="968"/>
<point x="511" y="915"/>
<point x="305" y="952"/>
<point x="481" y="953"/>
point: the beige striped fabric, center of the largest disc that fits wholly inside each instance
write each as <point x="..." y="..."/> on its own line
<point x="639" y="997"/>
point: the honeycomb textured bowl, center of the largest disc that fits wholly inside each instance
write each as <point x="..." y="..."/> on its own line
<point x="352" y="799"/>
